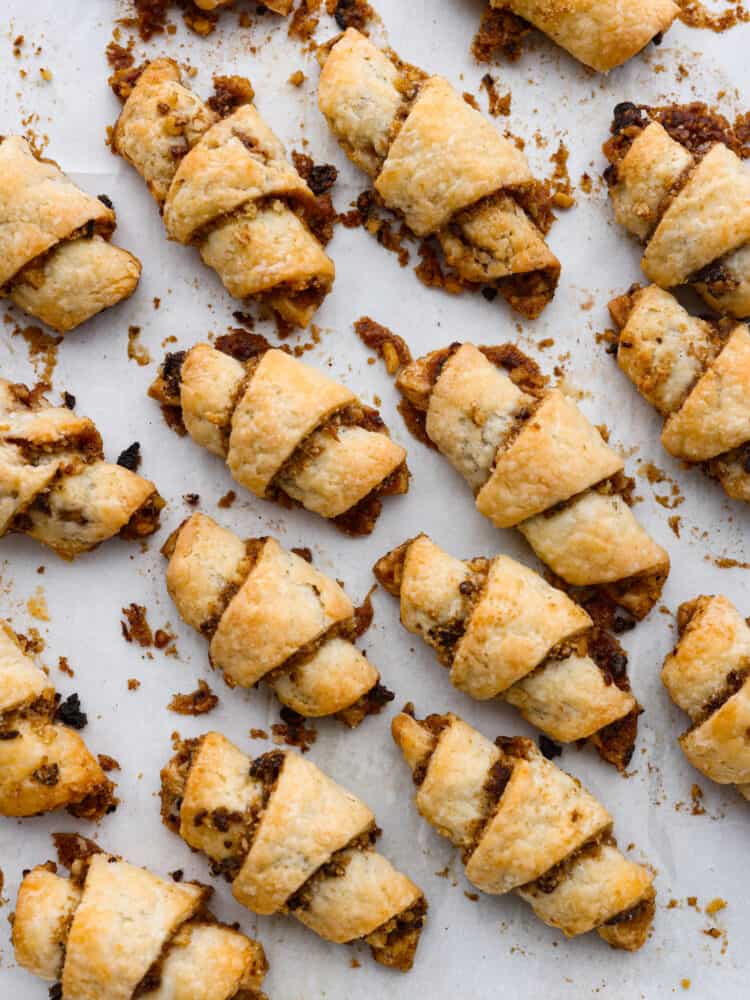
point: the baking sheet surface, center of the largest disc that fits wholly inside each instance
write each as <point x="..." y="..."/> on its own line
<point x="483" y="947"/>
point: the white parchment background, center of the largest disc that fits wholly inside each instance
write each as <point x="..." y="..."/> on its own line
<point x="494" y="946"/>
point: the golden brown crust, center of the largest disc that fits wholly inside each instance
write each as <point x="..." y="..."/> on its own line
<point x="287" y="431"/>
<point x="440" y="165"/>
<point x="270" y="615"/>
<point x="536" y="463"/>
<point x="525" y="826"/>
<point x="226" y="186"/>
<point x="601" y="34"/>
<point x="114" y="931"/>
<point x="677" y="183"/>
<point x="708" y="676"/>
<point x="505" y="632"/>
<point x="55" y="261"/>
<point x="697" y="374"/>
<point x="44" y="764"/>
<point x="55" y="485"/>
<point x="299" y="844"/>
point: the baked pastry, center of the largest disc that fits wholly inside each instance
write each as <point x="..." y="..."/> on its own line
<point x="287" y="431"/>
<point x="56" y="261"/>
<point x="708" y="676"/>
<point x="696" y="372"/>
<point x="443" y="167"/>
<point x="269" y="615"/>
<point x="523" y="825"/>
<point x="44" y="764"/>
<point x="602" y="34"/>
<point x="687" y="197"/>
<point x="535" y="462"/>
<point x="55" y="484"/>
<point x="503" y="631"/>
<point x="291" y="840"/>
<point x="225" y="186"/>
<point x="113" y="931"/>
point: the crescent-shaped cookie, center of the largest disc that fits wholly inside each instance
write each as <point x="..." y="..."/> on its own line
<point x="226" y="187"/>
<point x="287" y="431"/>
<point x="291" y="840"/>
<point x="688" y="204"/>
<point x="113" y="931"/>
<point x="54" y="483"/>
<point x="442" y="166"/>
<point x="525" y="826"/>
<point x="534" y="462"/>
<point x="708" y="676"/>
<point x="44" y="764"/>
<point x="503" y="631"/>
<point x="602" y="34"/>
<point x="269" y="615"/>
<point x="696" y="373"/>
<point x="56" y="261"/>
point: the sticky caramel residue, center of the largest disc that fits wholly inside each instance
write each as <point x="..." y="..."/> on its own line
<point x="137" y="351"/>
<point x="42" y="350"/>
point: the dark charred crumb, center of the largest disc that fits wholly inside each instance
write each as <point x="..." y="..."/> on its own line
<point x="489" y="292"/>
<point x="500" y="36"/>
<point x="137" y="628"/>
<point x="47" y="774"/>
<point x="320" y="179"/>
<point x="292" y="731"/>
<point x="192" y="499"/>
<point x="69" y="400"/>
<point x="241" y="344"/>
<point x="9" y="734"/>
<point x="107" y="763"/>
<point x="230" y="93"/>
<point x="69" y="713"/>
<point x="472" y="896"/>
<point x="162" y="638"/>
<point x="130" y="458"/>
<point x="389" y="346"/>
<point x="105" y="200"/>
<point x="227" y="500"/>
<point x="177" y="875"/>
<point x="351" y="13"/>
<point x="198" y="702"/>
<point x="303" y="553"/>
<point x="72" y="847"/>
<point x="55" y="992"/>
<point x="549" y="748"/>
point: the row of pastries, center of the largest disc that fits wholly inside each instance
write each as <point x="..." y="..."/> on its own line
<point x="287" y="837"/>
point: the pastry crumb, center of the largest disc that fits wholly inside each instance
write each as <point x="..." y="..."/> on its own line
<point x="137" y="351"/>
<point x="133" y="684"/>
<point x="37" y="606"/>
<point x="198" y="702"/>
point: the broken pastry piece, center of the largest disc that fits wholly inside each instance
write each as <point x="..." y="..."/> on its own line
<point x="44" y="765"/>
<point x="443" y="168"/>
<point x="56" y="261"/>
<point x="686" y="196"/>
<point x="291" y="840"/>
<point x="54" y="483"/>
<point x="602" y="34"/>
<point x="269" y="615"/>
<point x="503" y="631"/>
<point x="696" y="373"/>
<point x="225" y="186"/>
<point x="112" y="931"/>
<point x="708" y="676"/>
<point x="525" y="826"/>
<point x="287" y="431"/>
<point x="535" y="462"/>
